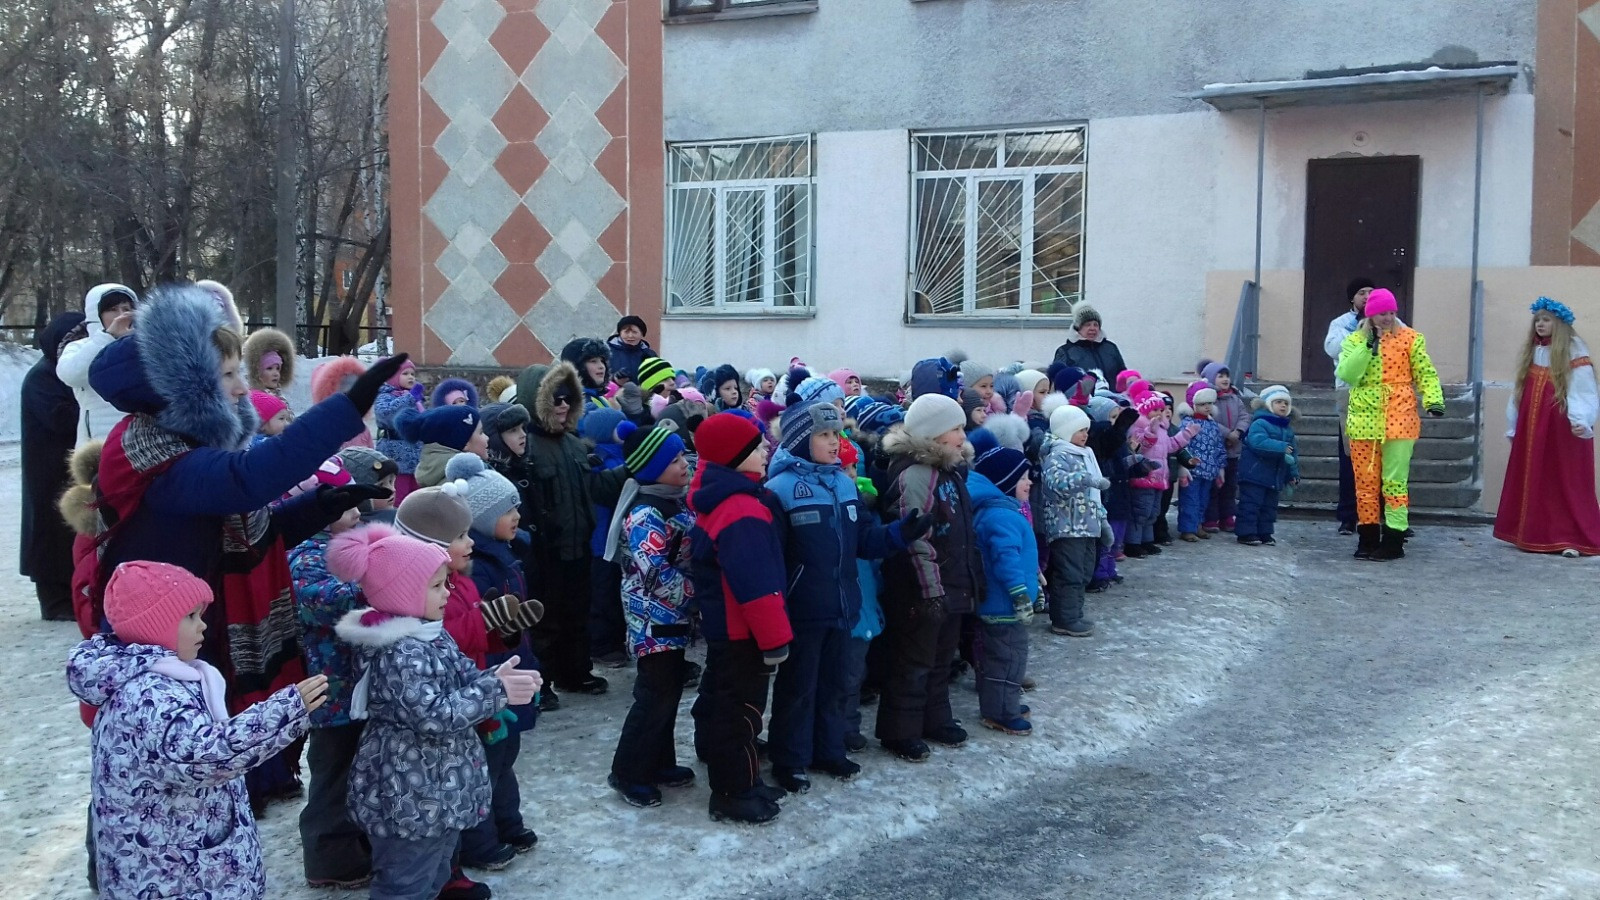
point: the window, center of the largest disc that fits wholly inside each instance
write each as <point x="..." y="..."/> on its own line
<point x="739" y="233"/>
<point x="998" y="222"/>
<point x="684" y="10"/>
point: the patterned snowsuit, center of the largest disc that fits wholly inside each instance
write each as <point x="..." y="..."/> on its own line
<point x="1383" y="423"/>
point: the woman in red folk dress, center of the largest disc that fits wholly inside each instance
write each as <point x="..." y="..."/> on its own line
<point x="1548" y="503"/>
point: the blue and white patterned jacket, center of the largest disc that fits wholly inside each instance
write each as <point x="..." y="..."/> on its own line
<point x="1070" y="510"/>
<point x="1210" y="447"/>
<point x="656" y="588"/>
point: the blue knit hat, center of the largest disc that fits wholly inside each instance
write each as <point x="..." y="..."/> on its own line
<point x="873" y="416"/>
<point x="1003" y="466"/>
<point x="801" y="421"/>
<point x="824" y="390"/>
<point x="452" y="426"/>
<point x="600" y="425"/>
<point x="649" y="451"/>
<point x="1066" y="379"/>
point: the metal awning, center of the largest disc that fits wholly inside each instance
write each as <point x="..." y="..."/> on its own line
<point x="1366" y="87"/>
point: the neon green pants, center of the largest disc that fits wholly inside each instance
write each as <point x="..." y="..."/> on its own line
<point x="1383" y="479"/>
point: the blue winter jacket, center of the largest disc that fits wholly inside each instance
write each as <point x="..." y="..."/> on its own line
<point x="1263" y="461"/>
<point x="1010" y="553"/>
<point x="827" y="530"/>
<point x="869" y="624"/>
<point x="496" y="570"/>
<point x="1209" y="447"/>
<point x="390" y="403"/>
<point x="625" y="360"/>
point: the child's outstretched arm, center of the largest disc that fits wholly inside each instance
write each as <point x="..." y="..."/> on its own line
<point x="196" y="749"/>
<point x="421" y="703"/>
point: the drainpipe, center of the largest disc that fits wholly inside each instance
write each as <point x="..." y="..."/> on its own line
<point x="1475" y="330"/>
<point x="1252" y="336"/>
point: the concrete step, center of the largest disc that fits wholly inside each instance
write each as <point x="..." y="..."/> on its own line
<point x="1325" y="404"/>
<point x="1325" y="511"/>
<point x="1447" y="428"/>
<point x="1423" y="495"/>
<point x="1423" y="471"/>
<point x="1326" y="445"/>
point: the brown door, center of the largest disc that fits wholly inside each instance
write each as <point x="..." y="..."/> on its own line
<point x="1361" y="221"/>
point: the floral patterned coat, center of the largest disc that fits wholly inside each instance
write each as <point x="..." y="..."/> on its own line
<point x="171" y="816"/>
<point x="1070" y="510"/>
<point x="420" y="770"/>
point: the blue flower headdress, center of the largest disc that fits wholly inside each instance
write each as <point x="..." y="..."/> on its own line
<point x="1554" y="308"/>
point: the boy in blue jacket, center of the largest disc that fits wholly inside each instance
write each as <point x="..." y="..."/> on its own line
<point x="1000" y="487"/>
<point x="827" y="530"/>
<point x="869" y="623"/>
<point x="1267" y="465"/>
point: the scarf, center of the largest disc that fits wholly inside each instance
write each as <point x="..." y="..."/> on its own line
<point x="631" y="491"/>
<point x="212" y="688"/>
<point x="424" y="631"/>
<point x="1087" y="455"/>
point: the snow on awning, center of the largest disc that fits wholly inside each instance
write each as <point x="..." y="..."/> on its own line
<point x="1367" y="87"/>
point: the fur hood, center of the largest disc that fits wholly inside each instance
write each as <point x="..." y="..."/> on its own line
<point x="334" y="376"/>
<point x="925" y="451"/>
<point x="538" y="386"/>
<point x="382" y="630"/>
<point x="258" y="345"/>
<point x="180" y="363"/>
<point x="450" y="386"/>
<point x="77" y="504"/>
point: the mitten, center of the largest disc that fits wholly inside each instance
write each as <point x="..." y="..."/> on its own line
<point x="914" y="526"/>
<point x="1023" y="404"/>
<point x="500" y="613"/>
<point x="1021" y="601"/>
<point x="528" y="614"/>
<point x="365" y="391"/>
<point x="1107" y="536"/>
<point x="1102" y="484"/>
<point x="334" y="501"/>
<point x="1436" y="411"/>
<point x="776" y="655"/>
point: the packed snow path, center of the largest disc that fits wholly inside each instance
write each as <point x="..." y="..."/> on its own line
<point x="1248" y="722"/>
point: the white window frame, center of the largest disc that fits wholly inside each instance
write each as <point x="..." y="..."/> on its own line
<point x="971" y="178"/>
<point x="721" y="188"/>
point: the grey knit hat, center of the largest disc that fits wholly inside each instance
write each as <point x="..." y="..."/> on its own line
<point x="437" y="515"/>
<point x="489" y="494"/>
<point x="366" y="465"/>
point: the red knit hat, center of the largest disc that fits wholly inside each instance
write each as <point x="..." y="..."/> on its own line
<point x="726" y="439"/>
<point x="145" y="601"/>
<point x="267" y="405"/>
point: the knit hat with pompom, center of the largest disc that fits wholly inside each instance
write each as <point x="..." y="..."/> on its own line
<point x="438" y="515"/>
<point x="392" y="569"/>
<point x="489" y="496"/>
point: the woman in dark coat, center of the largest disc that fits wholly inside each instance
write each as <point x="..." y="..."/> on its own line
<point x="1091" y="352"/>
<point x="49" y="430"/>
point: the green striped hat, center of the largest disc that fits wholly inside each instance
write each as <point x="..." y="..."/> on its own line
<point x="648" y="452"/>
<point x="653" y="373"/>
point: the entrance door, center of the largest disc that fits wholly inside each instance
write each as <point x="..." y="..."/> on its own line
<point x="1361" y="222"/>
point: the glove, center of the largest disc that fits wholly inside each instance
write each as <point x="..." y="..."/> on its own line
<point x="416" y="393"/>
<point x="334" y="501"/>
<point x="775" y="656"/>
<point x="1436" y="411"/>
<point x="365" y="391"/>
<point x="1107" y="536"/>
<point x="1102" y="484"/>
<point x="914" y="526"/>
<point x="500" y="613"/>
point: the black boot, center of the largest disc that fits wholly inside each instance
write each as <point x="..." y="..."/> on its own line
<point x="748" y="808"/>
<point x="1367" y="539"/>
<point x="1391" y="547"/>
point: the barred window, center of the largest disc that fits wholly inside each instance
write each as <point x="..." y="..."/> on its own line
<point x="998" y="222"/>
<point x="739" y="235"/>
<point x="703" y="7"/>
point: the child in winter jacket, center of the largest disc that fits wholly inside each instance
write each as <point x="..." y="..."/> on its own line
<point x="1158" y="445"/>
<point x="334" y="851"/>
<point x="762" y="384"/>
<point x="737" y="565"/>
<point x="592" y="359"/>
<point x="931" y="585"/>
<point x="402" y="392"/>
<point x="1209" y="448"/>
<point x="507" y="612"/>
<point x="1232" y="415"/>
<point x="442" y="432"/>
<point x="1267" y="466"/>
<point x="1074" y="518"/>
<point x="869" y="622"/>
<point x="827" y="531"/>
<point x="650" y="541"/>
<point x="169" y="815"/>
<point x="629" y="349"/>
<point x="1000" y="489"/>
<point x="603" y="431"/>
<point x="419" y="776"/>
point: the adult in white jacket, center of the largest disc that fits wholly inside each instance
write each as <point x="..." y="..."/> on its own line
<point x="108" y="315"/>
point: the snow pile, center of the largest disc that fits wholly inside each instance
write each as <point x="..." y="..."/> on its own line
<point x="15" y="361"/>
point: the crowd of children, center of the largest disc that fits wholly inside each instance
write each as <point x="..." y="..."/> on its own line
<point x="414" y="603"/>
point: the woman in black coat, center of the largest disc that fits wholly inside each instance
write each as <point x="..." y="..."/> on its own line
<point x="49" y="430"/>
<point x="1091" y="351"/>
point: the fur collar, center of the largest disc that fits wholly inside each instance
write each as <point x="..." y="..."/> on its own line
<point x="259" y="344"/>
<point x="925" y="451"/>
<point x="560" y="375"/>
<point x="181" y="364"/>
<point x="386" y="632"/>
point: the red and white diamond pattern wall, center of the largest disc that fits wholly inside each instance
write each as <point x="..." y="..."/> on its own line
<point x="526" y="142"/>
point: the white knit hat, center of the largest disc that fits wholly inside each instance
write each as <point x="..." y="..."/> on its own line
<point x="931" y="415"/>
<point x="1068" y="421"/>
<point x="1202" y="396"/>
<point x="1274" y="392"/>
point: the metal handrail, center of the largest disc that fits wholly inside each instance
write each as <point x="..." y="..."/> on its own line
<point x="1245" y="338"/>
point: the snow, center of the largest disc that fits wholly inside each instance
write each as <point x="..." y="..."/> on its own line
<point x="15" y="361"/>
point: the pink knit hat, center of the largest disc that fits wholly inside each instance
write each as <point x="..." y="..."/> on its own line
<point x="1195" y="388"/>
<point x="842" y="377"/>
<point x="1127" y="378"/>
<point x="1381" y="301"/>
<point x="393" y="570"/>
<point x="145" y="601"/>
<point x="1148" y="404"/>
<point x="267" y="405"/>
<point x="394" y="380"/>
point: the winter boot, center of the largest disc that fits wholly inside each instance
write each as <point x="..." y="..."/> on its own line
<point x="842" y="769"/>
<point x="643" y="796"/>
<point x="1391" y="546"/>
<point x="1151" y="549"/>
<point x="748" y="808"/>
<point x="1135" y="551"/>
<point x="675" y="777"/>
<point x="792" y="780"/>
<point x="912" y="750"/>
<point x="460" y="887"/>
<point x="1367" y="539"/>
<point x="949" y="734"/>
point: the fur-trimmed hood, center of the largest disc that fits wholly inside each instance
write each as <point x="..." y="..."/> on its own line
<point x="335" y="376"/>
<point x="77" y="503"/>
<point x="925" y="451"/>
<point x="259" y="344"/>
<point x="369" y="628"/>
<point x="450" y="386"/>
<point x="536" y="391"/>
<point x="181" y="365"/>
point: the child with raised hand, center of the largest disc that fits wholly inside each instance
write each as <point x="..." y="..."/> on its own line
<point x="401" y="392"/>
<point x="1209" y="448"/>
<point x="1266" y="466"/>
<point x="1158" y="444"/>
<point x="170" y="814"/>
<point x="419" y="777"/>
<point x="649" y="539"/>
<point x="1074" y="518"/>
<point x="1000" y="488"/>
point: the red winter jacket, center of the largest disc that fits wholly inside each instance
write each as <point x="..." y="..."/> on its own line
<point x="737" y="559"/>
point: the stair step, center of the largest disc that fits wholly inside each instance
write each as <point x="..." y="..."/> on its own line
<point x="1423" y="495"/>
<point x="1325" y="405"/>
<point x="1323" y="445"/>
<point x="1302" y="509"/>
<point x="1423" y="471"/>
<point x="1446" y="428"/>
